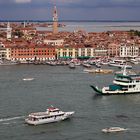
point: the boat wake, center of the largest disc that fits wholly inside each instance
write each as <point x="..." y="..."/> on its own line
<point x="10" y="119"/>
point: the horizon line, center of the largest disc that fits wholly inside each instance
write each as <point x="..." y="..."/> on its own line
<point x="68" y="20"/>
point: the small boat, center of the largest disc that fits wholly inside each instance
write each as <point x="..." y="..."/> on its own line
<point x="134" y="61"/>
<point x="113" y="129"/>
<point x="101" y="71"/>
<point x="51" y="63"/>
<point x="72" y="66"/>
<point x="7" y="63"/>
<point x="86" y="65"/>
<point x="98" y="65"/>
<point x="120" y="65"/>
<point x="52" y="114"/>
<point x="28" y="79"/>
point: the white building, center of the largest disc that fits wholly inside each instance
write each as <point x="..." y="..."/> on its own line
<point x="9" y="31"/>
<point x="74" y="52"/>
<point x="54" y="42"/>
<point x="86" y="52"/>
<point x="129" y="50"/>
<point x="100" y="51"/>
<point x="4" y="52"/>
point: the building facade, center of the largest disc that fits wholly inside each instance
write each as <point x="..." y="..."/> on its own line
<point x="5" y="53"/>
<point x="113" y="50"/>
<point x="54" y="42"/>
<point x="129" y="50"/>
<point x="100" y="51"/>
<point x="24" y="53"/>
<point x="64" y="52"/>
<point x="86" y="52"/>
<point x="75" y="52"/>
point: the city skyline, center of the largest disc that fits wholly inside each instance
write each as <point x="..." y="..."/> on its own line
<point x="70" y="9"/>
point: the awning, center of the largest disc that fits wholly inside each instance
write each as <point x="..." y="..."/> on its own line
<point x="83" y="57"/>
<point x="65" y="57"/>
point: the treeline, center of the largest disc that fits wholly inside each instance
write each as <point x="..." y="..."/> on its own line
<point x="135" y="32"/>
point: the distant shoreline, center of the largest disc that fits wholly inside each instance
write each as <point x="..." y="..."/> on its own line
<point x="69" y="21"/>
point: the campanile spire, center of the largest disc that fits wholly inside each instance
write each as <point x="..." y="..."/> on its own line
<point x="55" y="20"/>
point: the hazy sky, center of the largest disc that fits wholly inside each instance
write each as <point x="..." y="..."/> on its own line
<point x="70" y="9"/>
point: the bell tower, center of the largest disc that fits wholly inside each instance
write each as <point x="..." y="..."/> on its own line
<point x="55" y="21"/>
<point x="9" y="31"/>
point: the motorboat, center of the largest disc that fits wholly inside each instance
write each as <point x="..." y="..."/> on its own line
<point x="98" y="70"/>
<point x="113" y="129"/>
<point x="52" y="114"/>
<point x="72" y="65"/>
<point x="86" y="65"/>
<point x="28" y="79"/>
<point x="7" y="63"/>
<point x="120" y="65"/>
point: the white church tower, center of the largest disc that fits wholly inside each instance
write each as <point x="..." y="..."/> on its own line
<point x="9" y="31"/>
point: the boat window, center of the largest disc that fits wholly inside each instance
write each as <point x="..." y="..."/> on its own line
<point x="54" y="110"/>
<point x="34" y="119"/>
<point x="132" y="86"/>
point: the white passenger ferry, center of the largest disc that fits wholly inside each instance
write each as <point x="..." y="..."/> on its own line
<point x="124" y="83"/>
<point x="52" y="114"/>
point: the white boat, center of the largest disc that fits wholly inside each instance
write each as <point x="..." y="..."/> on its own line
<point x="123" y="83"/>
<point x="113" y="129"/>
<point x="72" y="65"/>
<point x="86" y="65"/>
<point x="120" y="65"/>
<point x="98" y="70"/>
<point x="28" y="79"/>
<point x="52" y="114"/>
<point x="134" y="61"/>
<point x="7" y="63"/>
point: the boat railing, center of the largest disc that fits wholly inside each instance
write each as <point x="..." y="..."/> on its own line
<point x="122" y="80"/>
<point x="105" y="89"/>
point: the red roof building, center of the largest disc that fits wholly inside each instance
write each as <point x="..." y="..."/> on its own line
<point x="25" y="51"/>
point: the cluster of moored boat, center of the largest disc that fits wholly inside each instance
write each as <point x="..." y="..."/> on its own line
<point x="7" y="62"/>
<point x="72" y="63"/>
<point x="119" y="63"/>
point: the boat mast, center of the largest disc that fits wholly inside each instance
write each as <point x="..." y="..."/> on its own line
<point x="124" y="70"/>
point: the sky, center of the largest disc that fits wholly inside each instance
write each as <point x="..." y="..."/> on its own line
<point x="70" y="9"/>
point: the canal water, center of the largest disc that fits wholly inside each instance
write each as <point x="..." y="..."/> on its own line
<point x="68" y="90"/>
